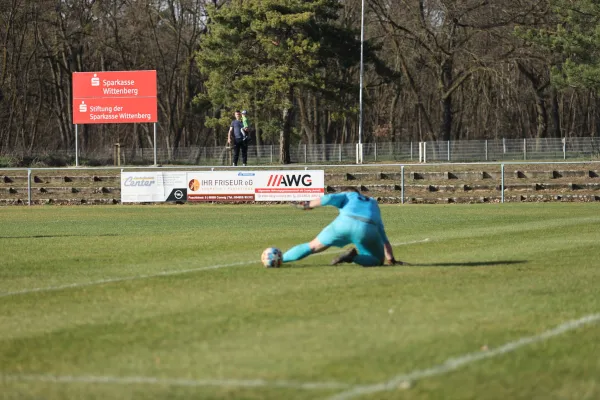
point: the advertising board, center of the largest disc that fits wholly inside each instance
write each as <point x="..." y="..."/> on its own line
<point x="153" y="186"/>
<point x="222" y="186"/>
<point x="255" y="185"/>
<point x="114" y="97"/>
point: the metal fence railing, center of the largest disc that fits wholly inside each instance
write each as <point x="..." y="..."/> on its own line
<point x="575" y="148"/>
<point x="498" y="169"/>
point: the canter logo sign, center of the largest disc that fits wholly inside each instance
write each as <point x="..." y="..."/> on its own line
<point x="290" y="180"/>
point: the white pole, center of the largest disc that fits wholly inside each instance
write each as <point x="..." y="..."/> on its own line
<point x="402" y="184"/>
<point x="28" y="186"/>
<point x="502" y="182"/>
<point x="305" y="158"/>
<point x="155" y="163"/>
<point x="486" y="150"/>
<point x="76" y="147"/>
<point x="359" y="158"/>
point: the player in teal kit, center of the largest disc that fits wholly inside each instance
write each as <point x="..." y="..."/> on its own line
<point x="359" y="223"/>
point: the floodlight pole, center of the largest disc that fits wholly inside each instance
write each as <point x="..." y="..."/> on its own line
<point x="359" y="152"/>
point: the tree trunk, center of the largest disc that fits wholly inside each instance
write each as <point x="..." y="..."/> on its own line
<point x="393" y="115"/>
<point x="307" y="127"/>
<point x="285" y="133"/>
<point x="555" y="111"/>
<point x="446" y="81"/>
<point x="542" y="115"/>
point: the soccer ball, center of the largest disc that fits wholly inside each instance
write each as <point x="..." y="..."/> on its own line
<point x="272" y="257"/>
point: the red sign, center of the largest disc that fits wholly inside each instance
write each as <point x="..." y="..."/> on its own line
<point x="114" y="97"/>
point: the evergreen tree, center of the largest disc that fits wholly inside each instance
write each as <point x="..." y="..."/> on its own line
<point x="263" y="52"/>
<point x="576" y="39"/>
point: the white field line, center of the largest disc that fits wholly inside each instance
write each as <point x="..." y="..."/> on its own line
<point x="404" y="381"/>
<point x="158" y="274"/>
<point x="121" y="279"/>
<point x="353" y="390"/>
<point x="147" y="380"/>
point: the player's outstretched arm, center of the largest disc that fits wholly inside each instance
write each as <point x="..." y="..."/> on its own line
<point x="307" y="205"/>
<point x="389" y="255"/>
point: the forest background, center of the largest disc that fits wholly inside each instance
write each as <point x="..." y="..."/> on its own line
<point x="433" y="70"/>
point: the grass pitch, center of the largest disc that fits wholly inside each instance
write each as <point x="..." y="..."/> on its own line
<point x="157" y="302"/>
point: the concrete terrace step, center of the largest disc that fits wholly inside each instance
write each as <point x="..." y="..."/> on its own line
<point x="463" y="175"/>
<point x="469" y="187"/>
<point x="491" y="199"/>
<point x="37" y="201"/>
<point x="61" y="189"/>
<point x="60" y="179"/>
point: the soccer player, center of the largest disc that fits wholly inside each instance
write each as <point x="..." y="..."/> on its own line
<point x="359" y="223"/>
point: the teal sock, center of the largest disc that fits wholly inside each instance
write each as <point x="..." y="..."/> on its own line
<point x="297" y="253"/>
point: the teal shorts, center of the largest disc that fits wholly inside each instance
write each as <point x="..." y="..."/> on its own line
<point x="345" y="230"/>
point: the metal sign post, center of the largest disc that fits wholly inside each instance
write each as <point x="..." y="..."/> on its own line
<point x="76" y="147"/>
<point x="113" y="97"/>
<point x="155" y="158"/>
<point x="359" y="148"/>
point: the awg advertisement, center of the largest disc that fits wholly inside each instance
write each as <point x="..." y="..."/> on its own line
<point x="222" y="186"/>
<point x="234" y="186"/>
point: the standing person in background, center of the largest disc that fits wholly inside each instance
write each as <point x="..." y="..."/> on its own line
<point x="359" y="223"/>
<point x="236" y="136"/>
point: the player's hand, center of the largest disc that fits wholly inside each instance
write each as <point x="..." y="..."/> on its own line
<point x="393" y="261"/>
<point x="302" y="205"/>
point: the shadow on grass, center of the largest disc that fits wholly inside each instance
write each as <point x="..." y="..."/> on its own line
<point x="466" y="263"/>
<point x="54" y="236"/>
<point x="441" y="264"/>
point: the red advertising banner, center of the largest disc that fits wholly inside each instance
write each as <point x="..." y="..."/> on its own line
<point x="114" y="97"/>
<point x="111" y="111"/>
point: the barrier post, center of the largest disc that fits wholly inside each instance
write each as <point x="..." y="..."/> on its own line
<point x="486" y="150"/>
<point x="502" y="182"/>
<point x="28" y="186"/>
<point x="305" y="159"/>
<point x="117" y="155"/>
<point x="402" y="184"/>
